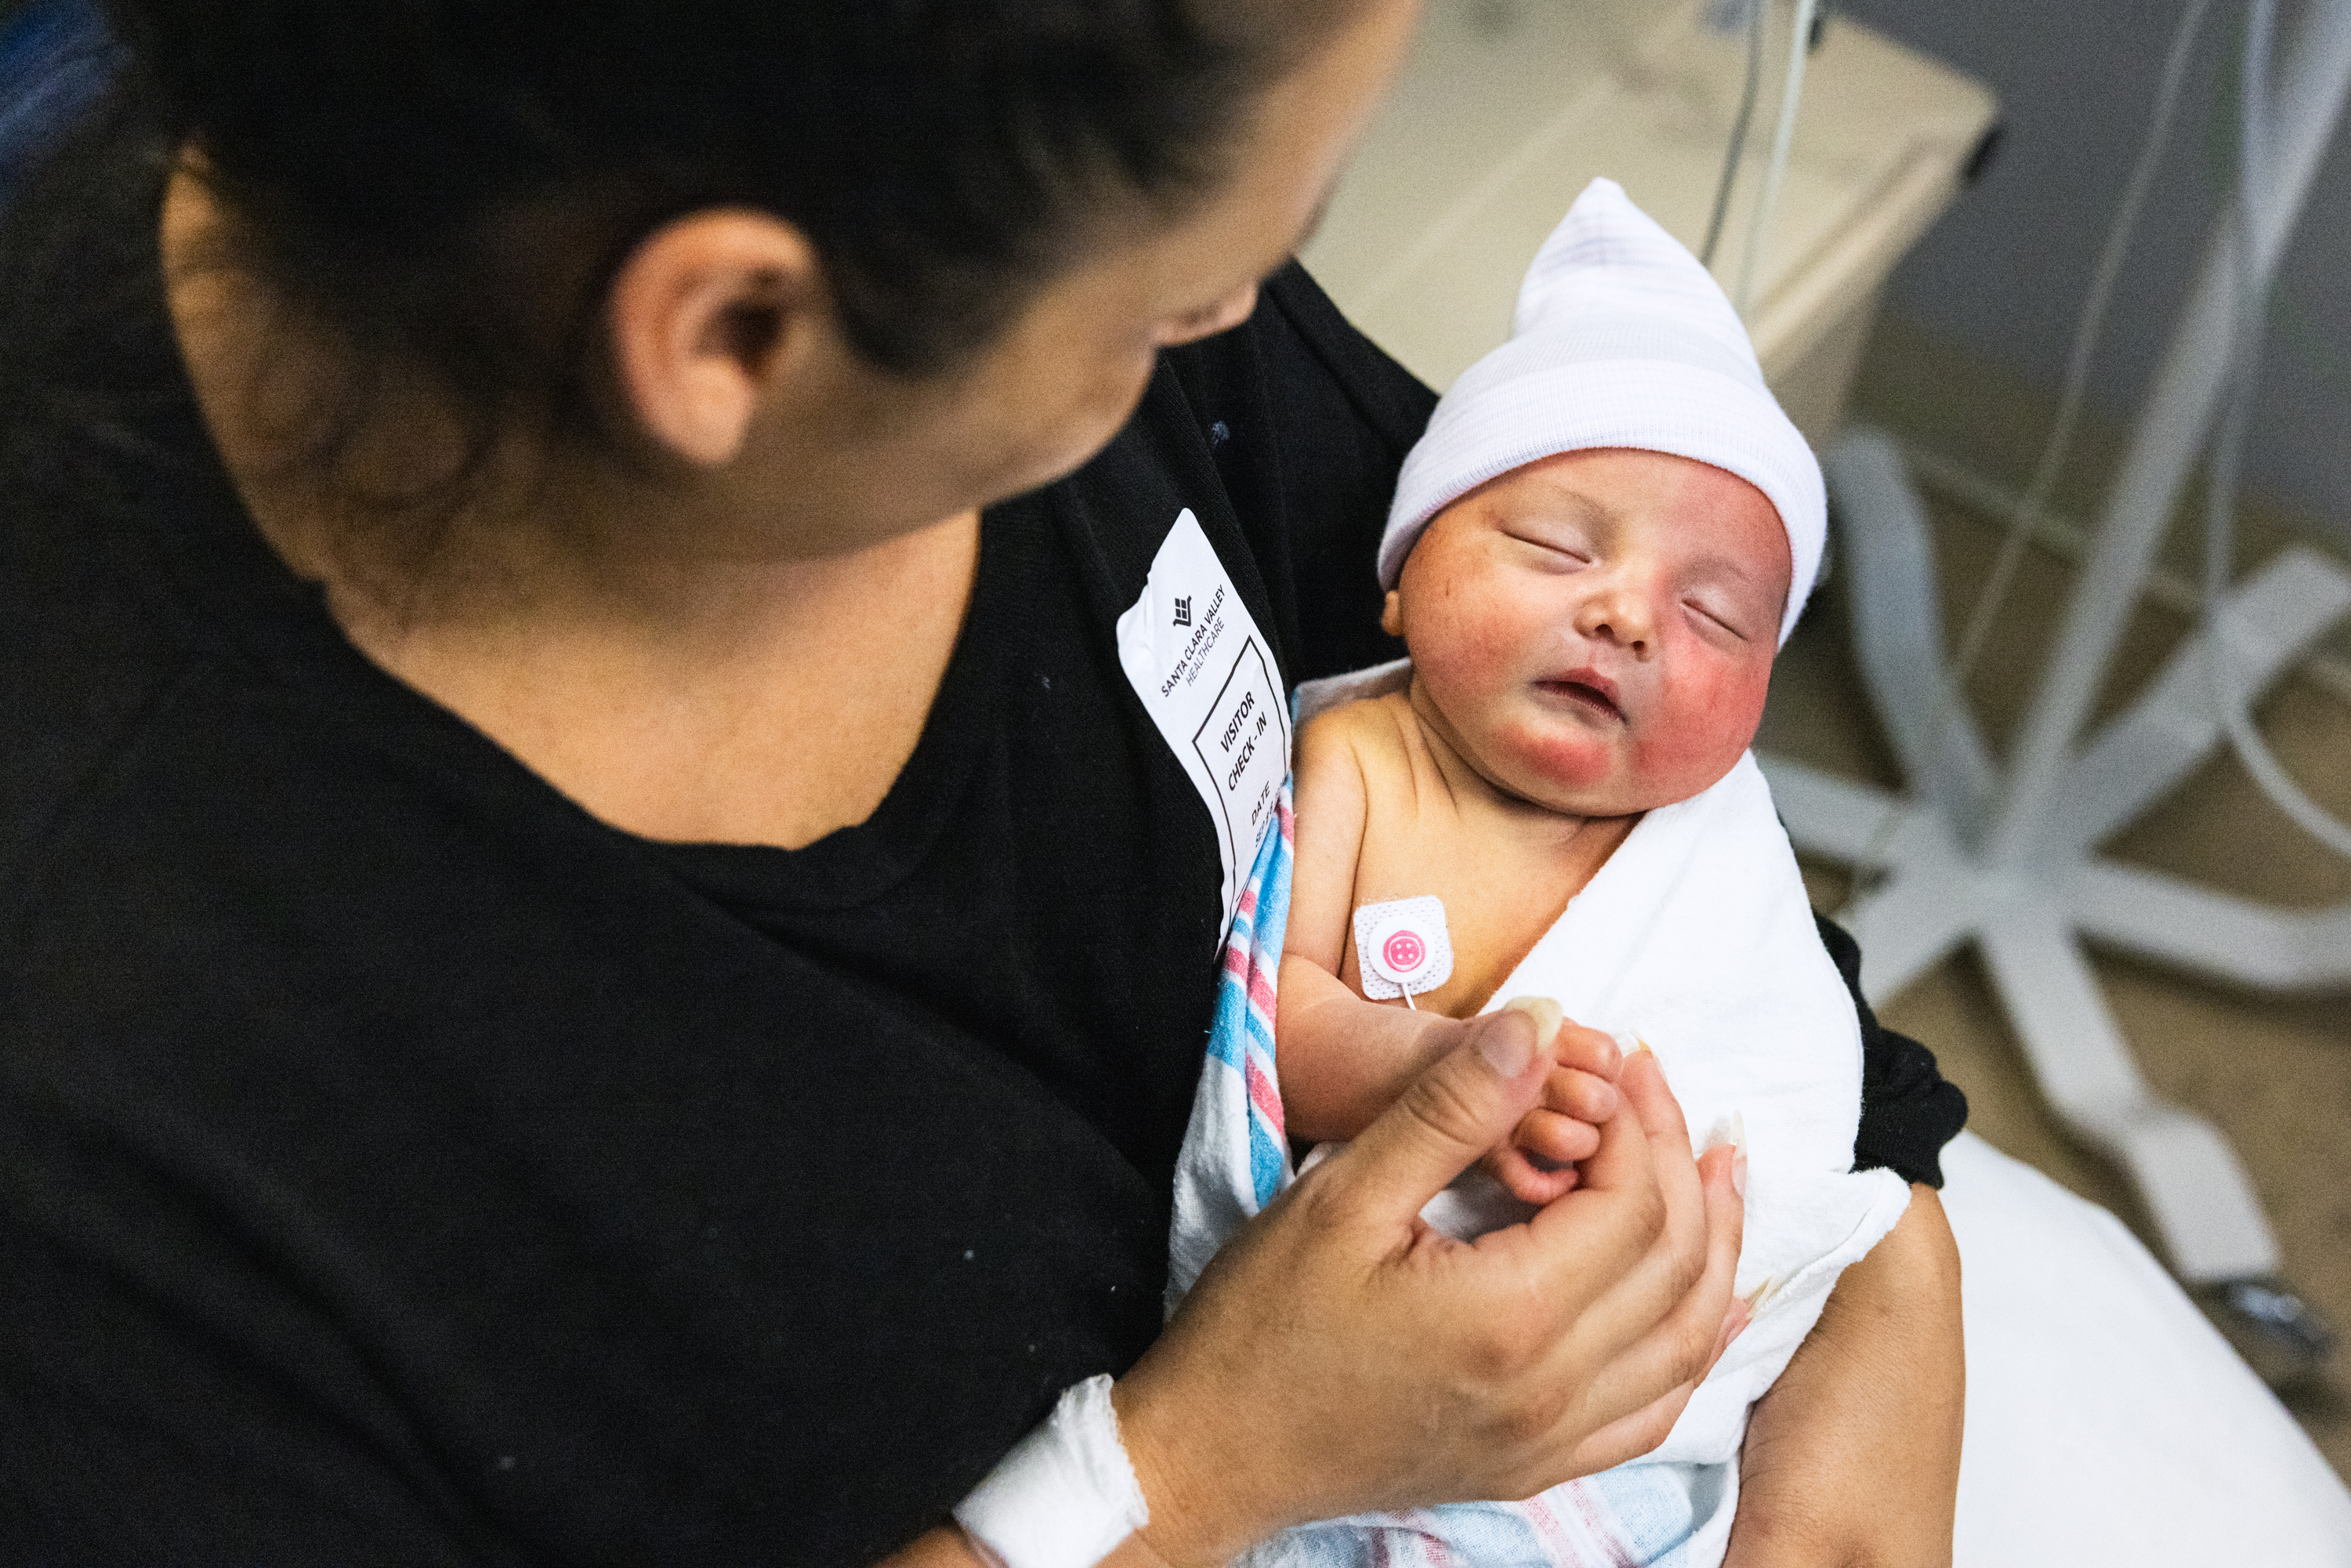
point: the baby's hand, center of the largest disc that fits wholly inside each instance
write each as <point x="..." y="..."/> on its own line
<point x="1538" y="1162"/>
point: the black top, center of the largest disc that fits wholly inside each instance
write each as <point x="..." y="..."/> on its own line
<point x="398" y="1164"/>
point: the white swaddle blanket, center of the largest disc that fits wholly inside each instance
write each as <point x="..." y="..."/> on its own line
<point x="1696" y="936"/>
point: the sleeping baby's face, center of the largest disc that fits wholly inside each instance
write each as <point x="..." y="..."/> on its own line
<point x="1594" y="632"/>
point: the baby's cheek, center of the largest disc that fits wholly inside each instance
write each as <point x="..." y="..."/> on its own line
<point x="1467" y="668"/>
<point x="1708" y="719"/>
<point x="1465" y="652"/>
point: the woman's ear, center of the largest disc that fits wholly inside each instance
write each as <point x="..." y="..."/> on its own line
<point x="1392" y="614"/>
<point x="703" y="316"/>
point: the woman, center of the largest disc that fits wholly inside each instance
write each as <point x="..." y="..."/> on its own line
<point x="596" y="969"/>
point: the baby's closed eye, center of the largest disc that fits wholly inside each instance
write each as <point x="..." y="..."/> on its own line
<point x="1716" y="615"/>
<point x="1561" y="541"/>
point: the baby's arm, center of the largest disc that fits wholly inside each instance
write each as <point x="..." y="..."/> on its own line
<point x="1341" y="1060"/>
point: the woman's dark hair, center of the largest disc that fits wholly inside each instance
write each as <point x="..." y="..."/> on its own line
<point x="942" y="155"/>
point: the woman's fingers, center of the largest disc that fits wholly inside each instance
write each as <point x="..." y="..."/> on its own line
<point x="1642" y="1082"/>
<point x="1452" y="1113"/>
<point x="1669" y="1171"/>
<point x="1599" y="1239"/>
<point x="1630" y="1436"/>
<point x="1660" y="1242"/>
<point x="1655" y="1375"/>
<point x="1572" y="1045"/>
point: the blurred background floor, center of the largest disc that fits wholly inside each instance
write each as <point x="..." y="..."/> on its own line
<point x="2274" y="1073"/>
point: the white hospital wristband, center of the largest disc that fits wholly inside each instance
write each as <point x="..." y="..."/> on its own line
<point x="1066" y="1496"/>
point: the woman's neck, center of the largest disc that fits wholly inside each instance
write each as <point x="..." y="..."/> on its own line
<point x="652" y="655"/>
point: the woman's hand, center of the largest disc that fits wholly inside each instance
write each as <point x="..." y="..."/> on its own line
<point x="1341" y="1355"/>
<point x="1852" y="1460"/>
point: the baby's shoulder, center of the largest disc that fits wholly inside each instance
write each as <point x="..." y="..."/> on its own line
<point x="1376" y="736"/>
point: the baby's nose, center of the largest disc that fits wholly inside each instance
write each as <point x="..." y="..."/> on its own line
<point x="1619" y="617"/>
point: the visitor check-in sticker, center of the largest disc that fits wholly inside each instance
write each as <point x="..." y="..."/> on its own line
<point x="1195" y="657"/>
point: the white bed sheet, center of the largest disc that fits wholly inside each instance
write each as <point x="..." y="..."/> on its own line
<point x="2108" y="1422"/>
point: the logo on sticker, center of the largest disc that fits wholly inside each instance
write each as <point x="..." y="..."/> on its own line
<point x="1402" y="952"/>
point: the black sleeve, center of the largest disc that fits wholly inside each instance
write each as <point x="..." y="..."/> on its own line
<point x="1907" y="1110"/>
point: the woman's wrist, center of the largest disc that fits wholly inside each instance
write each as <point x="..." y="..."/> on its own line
<point x="1194" y="1521"/>
<point x="1104" y="1481"/>
<point x="1066" y="1496"/>
<point x="1072" y="1494"/>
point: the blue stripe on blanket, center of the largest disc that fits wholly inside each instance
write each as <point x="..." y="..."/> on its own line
<point x="1241" y="1037"/>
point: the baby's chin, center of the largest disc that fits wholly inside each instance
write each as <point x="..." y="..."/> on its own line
<point x="1581" y="781"/>
<point x="1599" y="779"/>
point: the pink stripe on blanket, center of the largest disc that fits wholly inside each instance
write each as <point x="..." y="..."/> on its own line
<point x="1553" y="1532"/>
<point x="1260" y="993"/>
<point x="1264" y="1097"/>
<point x="1597" y="1518"/>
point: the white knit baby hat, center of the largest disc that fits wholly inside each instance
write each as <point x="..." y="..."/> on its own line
<point x="1621" y="339"/>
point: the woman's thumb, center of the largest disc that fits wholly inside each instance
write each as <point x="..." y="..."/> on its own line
<point x="1454" y="1111"/>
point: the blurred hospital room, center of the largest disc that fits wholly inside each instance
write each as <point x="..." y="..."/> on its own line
<point x="1990" y="253"/>
<point x="2056" y="292"/>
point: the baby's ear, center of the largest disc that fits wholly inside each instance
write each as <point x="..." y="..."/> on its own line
<point x="1392" y="614"/>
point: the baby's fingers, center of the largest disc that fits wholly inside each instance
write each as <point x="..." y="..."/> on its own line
<point x="1571" y="1091"/>
<point x="1588" y="1050"/>
<point x="1561" y="1140"/>
<point x="1525" y="1180"/>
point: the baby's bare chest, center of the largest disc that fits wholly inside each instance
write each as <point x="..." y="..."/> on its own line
<point x="1501" y="885"/>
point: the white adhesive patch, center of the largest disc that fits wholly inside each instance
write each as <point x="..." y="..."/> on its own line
<point x="1403" y="947"/>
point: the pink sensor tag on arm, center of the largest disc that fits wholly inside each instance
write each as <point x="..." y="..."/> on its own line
<point x="1403" y="947"/>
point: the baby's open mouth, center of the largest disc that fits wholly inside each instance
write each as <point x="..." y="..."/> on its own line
<point x="1592" y="692"/>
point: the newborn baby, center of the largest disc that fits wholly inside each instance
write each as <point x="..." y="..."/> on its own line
<point x="1591" y="636"/>
<point x="1593" y="554"/>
